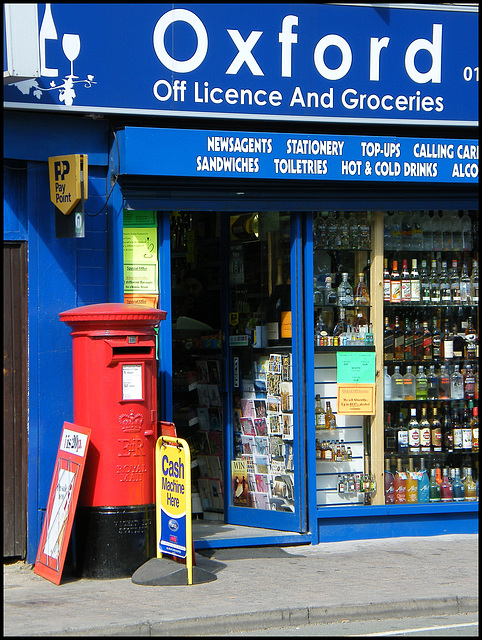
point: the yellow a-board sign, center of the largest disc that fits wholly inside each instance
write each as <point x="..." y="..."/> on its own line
<point x="68" y="181"/>
<point x="173" y="500"/>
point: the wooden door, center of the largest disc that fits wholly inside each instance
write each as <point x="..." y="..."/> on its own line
<point x="15" y="399"/>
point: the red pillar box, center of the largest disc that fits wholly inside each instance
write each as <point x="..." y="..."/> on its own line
<point x="115" y="395"/>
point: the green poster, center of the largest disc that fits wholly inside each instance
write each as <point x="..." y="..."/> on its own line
<point x="140" y="218"/>
<point x="353" y="367"/>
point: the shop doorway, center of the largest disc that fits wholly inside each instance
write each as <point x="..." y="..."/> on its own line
<point x="235" y="279"/>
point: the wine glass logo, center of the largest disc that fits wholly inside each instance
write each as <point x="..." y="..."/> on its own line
<point x="71" y="47"/>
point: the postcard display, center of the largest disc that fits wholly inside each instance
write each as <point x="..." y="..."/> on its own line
<point x="262" y="468"/>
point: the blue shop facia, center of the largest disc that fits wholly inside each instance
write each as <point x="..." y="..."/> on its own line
<point x="232" y="186"/>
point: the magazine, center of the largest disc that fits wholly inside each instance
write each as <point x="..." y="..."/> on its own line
<point x="239" y="478"/>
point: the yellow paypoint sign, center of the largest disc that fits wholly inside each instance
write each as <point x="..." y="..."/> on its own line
<point x="173" y="500"/>
<point x="68" y="181"/>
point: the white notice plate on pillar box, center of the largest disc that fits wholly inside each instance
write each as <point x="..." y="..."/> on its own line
<point x="132" y="382"/>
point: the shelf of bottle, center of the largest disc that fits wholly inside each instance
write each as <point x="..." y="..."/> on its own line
<point x="333" y="349"/>
<point x="423" y="454"/>
<point x="332" y="249"/>
<point x="415" y="305"/>
<point x="434" y="361"/>
<point x="436" y="400"/>
<point x="335" y="306"/>
<point x="425" y="249"/>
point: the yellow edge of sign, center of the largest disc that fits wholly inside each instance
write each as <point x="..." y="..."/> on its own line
<point x="180" y="443"/>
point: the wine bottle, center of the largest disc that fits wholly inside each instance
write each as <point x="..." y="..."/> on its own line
<point x="279" y="311"/>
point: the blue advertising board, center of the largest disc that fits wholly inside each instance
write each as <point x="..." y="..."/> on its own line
<point x="380" y="63"/>
<point x="236" y="154"/>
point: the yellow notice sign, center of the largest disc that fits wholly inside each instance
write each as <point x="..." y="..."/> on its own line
<point x="68" y="181"/>
<point x="173" y="499"/>
<point x="356" y="399"/>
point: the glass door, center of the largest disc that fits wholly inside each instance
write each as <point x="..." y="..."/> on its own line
<point x="264" y="418"/>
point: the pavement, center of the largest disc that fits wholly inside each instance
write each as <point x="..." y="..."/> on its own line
<point x="254" y="588"/>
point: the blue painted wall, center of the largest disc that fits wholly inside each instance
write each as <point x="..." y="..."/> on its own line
<point x="62" y="274"/>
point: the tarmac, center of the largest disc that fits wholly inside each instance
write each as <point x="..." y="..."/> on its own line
<point x="254" y="588"/>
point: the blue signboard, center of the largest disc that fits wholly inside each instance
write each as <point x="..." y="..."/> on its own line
<point x="315" y="62"/>
<point x="236" y="154"/>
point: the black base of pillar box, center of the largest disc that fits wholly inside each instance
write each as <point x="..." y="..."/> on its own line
<point x="113" y="542"/>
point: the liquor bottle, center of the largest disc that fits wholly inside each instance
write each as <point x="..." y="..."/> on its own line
<point x="318" y="450"/>
<point x="436" y="340"/>
<point x="446" y="491"/>
<point x="411" y="488"/>
<point x="319" y="413"/>
<point x="390" y="435"/>
<point x="436" y="431"/>
<point x="432" y="384"/>
<point x="458" y="489"/>
<point x="447" y="344"/>
<point x="471" y="350"/>
<point x="465" y="286"/>
<point x="388" y="341"/>
<point x="369" y="336"/>
<point x="321" y="330"/>
<point x="466" y="225"/>
<point x="389" y="482"/>
<point x="437" y="231"/>
<point x="409" y="389"/>
<point x="341" y="325"/>
<point x="447" y="431"/>
<point x="397" y="384"/>
<point x="387" y="385"/>
<point x="469" y="383"/>
<point x="331" y="297"/>
<point x="443" y="383"/>
<point x="438" y="475"/>
<point x="434" y="284"/>
<point x="413" y="432"/>
<point x="425" y="283"/>
<point x="386" y="281"/>
<point x="445" y="293"/>
<point x="454" y="284"/>
<point x="362" y="296"/>
<point x="276" y="313"/>
<point x="415" y="290"/>
<point x="427" y="342"/>
<point x="395" y="284"/>
<point x="408" y="341"/>
<point x="434" y="487"/>
<point x="470" y="487"/>
<point x="457" y="240"/>
<point x="475" y="429"/>
<point x="457" y="431"/>
<point x="427" y="236"/>
<point x="425" y="432"/>
<point x="456" y="384"/>
<point x="405" y="295"/>
<point x="474" y="284"/>
<point x="402" y="435"/>
<point x="417" y="237"/>
<point x="466" y="431"/>
<point x="345" y="292"/>
<point x="421" y="385"/>
<point x="330" y="420"/>
<point x="458" y="342"/>
<point x="423" y="483"/>
<point x="398" y="340"/>
<point x="417" y="341"/>
<point x="400" y="484"/>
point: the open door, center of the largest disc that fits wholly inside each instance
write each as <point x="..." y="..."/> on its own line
<point x="264" y="469"/>
<point x="235" y="285"/>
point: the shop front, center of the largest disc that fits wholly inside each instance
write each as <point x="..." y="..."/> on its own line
<point x="300" y="197"/>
